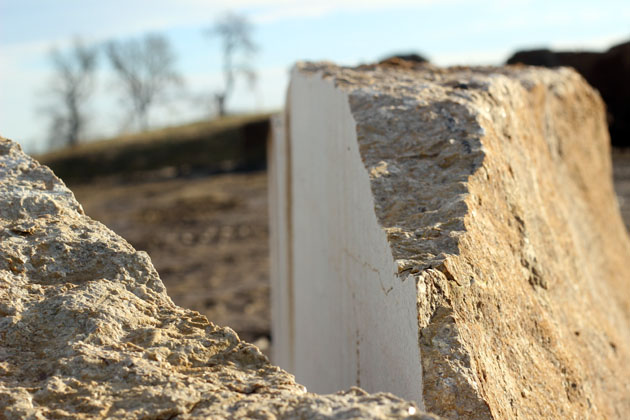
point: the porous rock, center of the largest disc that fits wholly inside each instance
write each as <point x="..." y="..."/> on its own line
<point x="88" y="331"/>
<point x="489" y="191"/>
<point x="606" y="71"/>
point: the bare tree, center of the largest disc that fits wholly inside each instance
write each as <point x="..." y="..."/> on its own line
<point x="146" y="69"/>
<point x="71" y="87"/>
<point x="235" y="33"/>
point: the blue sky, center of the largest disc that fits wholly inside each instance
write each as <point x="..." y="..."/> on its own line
<point x="345" y="31"/>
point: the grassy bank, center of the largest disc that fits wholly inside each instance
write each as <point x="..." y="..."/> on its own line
<point x="224" y="144"/>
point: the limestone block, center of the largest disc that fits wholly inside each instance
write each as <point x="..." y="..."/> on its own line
<point x="606" y="71"/>
<point x="451" y="236"/>
<point x="88" y="331"/>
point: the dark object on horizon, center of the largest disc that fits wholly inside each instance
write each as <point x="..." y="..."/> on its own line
<point x="403" y="61"/>
<point x="608" y="72"/>
<point x="416" y="58"/>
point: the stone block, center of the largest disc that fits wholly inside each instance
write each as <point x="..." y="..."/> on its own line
<point x="451" y="236"/>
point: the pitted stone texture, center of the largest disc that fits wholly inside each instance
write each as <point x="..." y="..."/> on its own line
<point x="494" y="188"/>
<point x="88" y="331"/>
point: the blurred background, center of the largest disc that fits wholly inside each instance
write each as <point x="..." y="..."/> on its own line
<point x="156" y="112"/>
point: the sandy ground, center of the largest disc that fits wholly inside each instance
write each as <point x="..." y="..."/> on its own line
<point x="208" y="238"/>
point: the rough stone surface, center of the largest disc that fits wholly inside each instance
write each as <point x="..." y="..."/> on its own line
<point x="88" y="331"/>
<point x="606" y="71"/>
<point x="493" y="186"/>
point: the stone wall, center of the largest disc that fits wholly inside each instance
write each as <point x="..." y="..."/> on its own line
<point x="452" y="236"/>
